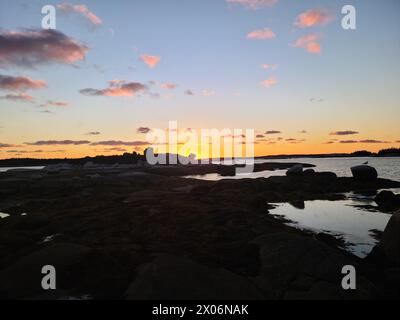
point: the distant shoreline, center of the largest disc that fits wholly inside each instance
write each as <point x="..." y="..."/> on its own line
<point x="133" y="158"/>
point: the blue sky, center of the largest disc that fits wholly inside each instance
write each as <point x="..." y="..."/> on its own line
<point x="352" y="84"/>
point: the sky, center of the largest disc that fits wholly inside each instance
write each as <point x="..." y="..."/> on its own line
<point x="111" y="72"/>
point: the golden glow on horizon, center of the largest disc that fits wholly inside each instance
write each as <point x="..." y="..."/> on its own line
<point x="260" y="149"/>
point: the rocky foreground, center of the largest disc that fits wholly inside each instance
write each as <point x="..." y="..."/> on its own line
<point x="149" y="234"/>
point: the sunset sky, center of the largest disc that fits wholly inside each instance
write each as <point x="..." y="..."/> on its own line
<point x="113" y="70"/>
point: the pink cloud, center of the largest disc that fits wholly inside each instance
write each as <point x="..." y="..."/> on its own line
<point x="262" y="34"/>
<point x="253" y="4"/>
<point x="168" y="86"/>
<point x="313" y="18"/>
<point x="31" y="47"/>
<point x="18" y="97"/>
<point x="151" y="61"/>
<point x="269" y="66"/>
<point x="82" y="10"/>
<point x="270" y="82"/>
<point x="208" y="93"/>
<point x="20" y="83"/>
<point x="117" y="88"/>
<point x="309" y="43"/>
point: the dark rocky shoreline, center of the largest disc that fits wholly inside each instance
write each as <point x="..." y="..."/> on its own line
<point x="149" y="234"/>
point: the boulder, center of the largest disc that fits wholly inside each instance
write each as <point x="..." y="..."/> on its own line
<point x="170" y="277"/>
<point x="364" y="173"/>
<point x="387" y="199"/>
<point x="300" y="267"/>
<point x="296" y="170"/>
<point x="23" y="279"/>
<point x="309" y="171"/>
<point x="391" y="239"/>
<point x="330" y="240"/>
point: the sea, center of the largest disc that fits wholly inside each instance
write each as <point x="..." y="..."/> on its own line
<point x="355" y="219"/>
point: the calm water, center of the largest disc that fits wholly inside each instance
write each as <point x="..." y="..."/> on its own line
<point x="343" y="218"/>
<point x="4" y="169"/>
<point x="388" y="168"/>
<point x="339" y="218"/>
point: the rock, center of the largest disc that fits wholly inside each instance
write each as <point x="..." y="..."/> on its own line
<point x="387" y="199"/>
<point x="56" y="168"/>
<point x="299" y="267"/>
<point x="36" y="176"/>
<point x="170" y="277"/>
<point x="94" y="176"/>
<point x="364" y="173"/>
<point x="298" y="204"/>
<point x="330" y="240"/>
<point x="391" y="239"/>
<point x="309" y="171"/>
<point x="23" y="279"/>
<point x="88" y="165"/>
<point x="295" y="170"/>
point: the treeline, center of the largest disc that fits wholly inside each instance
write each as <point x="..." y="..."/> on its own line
<point x="126" y="158"/>
<point x="390" y="152"/>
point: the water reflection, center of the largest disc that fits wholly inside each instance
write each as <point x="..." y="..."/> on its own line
<point x="3" y="215"/>
<point x="351" y="219"/>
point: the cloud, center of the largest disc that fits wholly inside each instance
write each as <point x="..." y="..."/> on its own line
<point x="311" y="18"/>
<point x="343" y="133"/>
<point x="115" y="149"/>
<point x="189" y="93"/>
<point x="93" y="133"/>
<point x="273" y="132"/>
<point x="168" y="86"/>
<point x="50" y="103"/>
<point x="266" y="66"/>
<point x="303" y="131"/>
<point x="120" y="143"/>
<point x="295" y="141"/>
<point x="32" y="47"/>
<point x="6" y="145"/>
<point x="309" y="43"/>
<point x="316" y="100"/>
<point x="208" y="93"/>
<point x="373" y="141"/>
<point x="259" y="136"/>
<point x="261" y="34"/>
<point x="20" y="83"/>
<point x="253" y="4"/>
<point x="270" y="82"/>
<point x="18" y="97"/>
<point x="117" y="88"/>
<point x="143" y="130"/>
<point x="151" y="61"/>
<point x="82" y="10"/>
<point x="55" y="142"/>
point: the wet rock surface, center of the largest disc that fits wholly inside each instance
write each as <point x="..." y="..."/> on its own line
<point x="388" y="200"/>
<point x="114" y="229"/>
